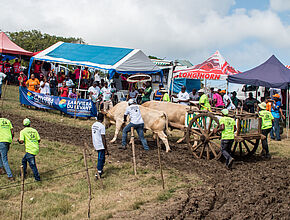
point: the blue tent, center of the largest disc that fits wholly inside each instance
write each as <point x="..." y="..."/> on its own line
<point x="271" y="74"/>
<point x="113" y="59"/>
<point x="188" y="83"/>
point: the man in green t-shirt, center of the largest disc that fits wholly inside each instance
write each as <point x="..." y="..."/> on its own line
<point x="6" y="136"/>
<point x="147" y="93"/>
<point x="228" y="128"/>
<point x="203" y="100"/>
<point x="267" y="122"/>
<point x="30" y="137"/>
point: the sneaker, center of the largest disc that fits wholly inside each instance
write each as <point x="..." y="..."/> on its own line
<point x="122" y="147"/>
<point x="11" y="178"/>
<point x="230" y="163"/>
<point x="97" y="177"/>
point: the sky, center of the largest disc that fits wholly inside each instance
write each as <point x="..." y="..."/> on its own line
<point x="246" y="32"/>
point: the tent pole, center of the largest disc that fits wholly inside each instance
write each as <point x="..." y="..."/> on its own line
<point x="287" y="112"/>
<point x="80" y="76"/>
<point x="172" y="81"/>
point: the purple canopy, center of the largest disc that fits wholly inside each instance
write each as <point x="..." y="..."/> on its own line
<point x="271" y="74"/>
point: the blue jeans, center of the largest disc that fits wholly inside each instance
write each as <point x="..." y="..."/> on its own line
<point x="4" y="147"/>
<point x="226" y="146"/>
<point x="30" y="158"/>
<point x="101" y="160"/>
<point x="139" y="128"/>
<point x="276" y="129"/>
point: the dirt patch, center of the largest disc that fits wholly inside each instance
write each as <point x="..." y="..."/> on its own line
<point x="254" y="189"/>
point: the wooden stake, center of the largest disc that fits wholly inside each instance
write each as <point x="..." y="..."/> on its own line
<point x="22" y="193"/>
<point x="133" y="151"/>
<point x="160" y="165"/>
<point x="89" y="183"/>
<point x="4" y="93"/>
<point x="94" y="160"/>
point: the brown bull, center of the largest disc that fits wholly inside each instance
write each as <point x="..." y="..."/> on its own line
<point x="155" y="121"/>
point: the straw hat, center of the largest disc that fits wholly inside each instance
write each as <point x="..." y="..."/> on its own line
<point x="262" y="105"/>
<point x="225" y="111"/>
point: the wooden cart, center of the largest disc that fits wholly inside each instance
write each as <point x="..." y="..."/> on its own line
<point x="203" y="143"/>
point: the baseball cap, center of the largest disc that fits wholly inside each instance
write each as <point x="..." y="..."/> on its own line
<point x="223" y="91"/>
<point x="276" y="96"/>
<point x="131" y="101"/>
<point x="225" y="112"/>
<point x="26" y="122"/>
<point x="262" y="105"/>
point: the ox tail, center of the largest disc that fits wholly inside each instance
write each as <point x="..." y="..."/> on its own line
<point x="167" y="131"/>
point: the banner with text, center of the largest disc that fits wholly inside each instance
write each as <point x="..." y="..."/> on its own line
<point x="81" y="107"/>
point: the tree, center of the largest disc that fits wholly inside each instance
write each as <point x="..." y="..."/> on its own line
<point x="34" y="40"/>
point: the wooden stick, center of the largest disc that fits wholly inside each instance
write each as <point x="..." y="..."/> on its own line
<point x="22" y="192"/>
<point x="94" y="160"/>
<point x="89" y="183"/>
<point x="4" y="93"/>
<point x="160" y="165"/>
<point x="133" y="151"/>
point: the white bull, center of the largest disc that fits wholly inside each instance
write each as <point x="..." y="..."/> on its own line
<point x="155" y="121"/>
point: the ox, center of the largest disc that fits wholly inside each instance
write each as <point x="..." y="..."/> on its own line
<point x="155" y="121"/>
<point x="175" y="112"/>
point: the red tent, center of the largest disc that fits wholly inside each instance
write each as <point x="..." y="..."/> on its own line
<point x="215" y="67"/>
<point x="8" y="47"/>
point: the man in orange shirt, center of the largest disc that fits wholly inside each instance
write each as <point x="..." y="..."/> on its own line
<point x="269" y="103"/>
<point x="32" y="82"/>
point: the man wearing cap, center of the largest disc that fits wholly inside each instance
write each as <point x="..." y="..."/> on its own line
<point x="99" y="142"/>
<point x="22" y="79"/>
<point x="203" y="100"/>
<point x="227" y="100"/>
<point x="228" y="128"/>
<point x="30" y="137"/>
<point x="183" y="96"/>
<point x="267" y="121"/>
<point x="6" y="136"/>
<point x="158" y="94"/>
<point x="276" y="112"/>
<point x="94" y="92"/>
<point x="136" y="122"/>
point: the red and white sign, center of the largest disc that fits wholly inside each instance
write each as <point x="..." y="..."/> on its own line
<point x="288" y="66"/>
<point x="214" y="68"/>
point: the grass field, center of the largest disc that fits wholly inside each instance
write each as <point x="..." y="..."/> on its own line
<point x="63" y="195"/>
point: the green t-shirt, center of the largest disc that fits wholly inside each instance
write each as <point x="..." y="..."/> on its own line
<point x="166" y="98"/>
<point x="5" y="130"/>
<point x="30" y="137"/>
<point x="204" y="101"/>
<point x="147" y="93"/>
<point x="267" y="118"/>
<point x="229" y="132"/>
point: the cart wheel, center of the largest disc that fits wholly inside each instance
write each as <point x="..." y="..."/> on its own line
<point x="200" y="138"/>
<point x="245" y="147"/>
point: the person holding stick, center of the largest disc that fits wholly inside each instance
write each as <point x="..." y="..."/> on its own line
<point x="31" y="139"/>
<point x="136" y="122"/>
<point x="6" y="136"/>
<point x="99" y="142"/>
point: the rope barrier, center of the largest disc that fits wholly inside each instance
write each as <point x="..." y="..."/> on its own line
<point x="52" y="178"/>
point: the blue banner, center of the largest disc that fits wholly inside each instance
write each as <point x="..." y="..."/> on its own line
<point x="81" y="107"/>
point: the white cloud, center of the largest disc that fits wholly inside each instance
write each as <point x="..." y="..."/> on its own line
<point x="191" y="29"/>
<point x="280" y="5"/>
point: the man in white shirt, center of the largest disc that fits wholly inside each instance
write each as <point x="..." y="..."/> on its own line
<point x="107" y="95"/>
<point x="99" y="142"/>
<point x="94" y="92"/>
<point x="183" y="96"/>
<point x="136" y="122"/>
<point x="44" y="87"/>
<point x="2" y="77"/>
<point x="227" y="100"/>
